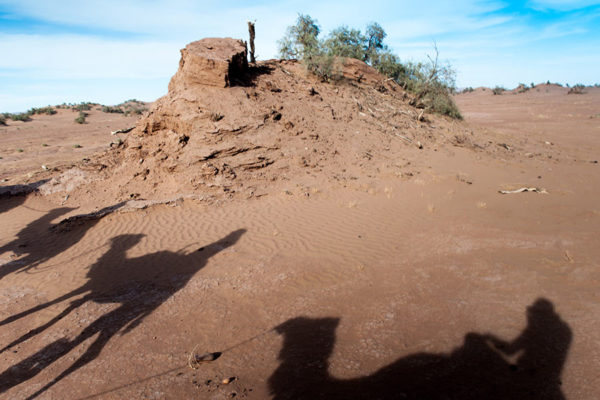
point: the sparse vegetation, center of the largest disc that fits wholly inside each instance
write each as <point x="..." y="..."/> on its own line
<point x="498" y="90"/>
<point x="76" y="146"/>
<point x="83" y="106"/>
<point x="468" y="90"/>
<point x="43" y="110"/>
<point x="431" y="82"/>
<point x="577" y="89"/>
<point x="81" y="118"/>
<point x="19" y="150"/>
<point x="522" y="88"/>
<point x="24" y="117"/>
<point x="126" y="108"/>
<point x="112" y="109"/>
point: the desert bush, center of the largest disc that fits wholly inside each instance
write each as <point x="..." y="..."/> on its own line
<point x="577" y="89"/>
<point x="112" y="109"/>
<point x="136" y="101"/>
<point x="468" y="90"/>
<point x="81" y="117"/>
<point x="498" y="90"/>
<point x="300" y="40"/>
<point x="2" y="119"/>
<point x="25" y="117"/>
<point x="433" y="85"/>
<point x="42" y="110"/>
<point x="83" y="106"/>
<point x="326" y="66"/>
<point x="136" y="111"/>
<point x="522" y="88"/>
<point x="427" y="81"/>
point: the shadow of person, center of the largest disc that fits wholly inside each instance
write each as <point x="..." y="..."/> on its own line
<point x="139" y="285"/>
<point x="475" y="370"/>
<point x="39" y="241"/>
<point x="542" y="348"/>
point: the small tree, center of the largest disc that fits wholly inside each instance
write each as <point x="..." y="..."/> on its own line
<point x="345" y="42"/>
<point x="300" y="40"/>
<point x="374" y="42"/>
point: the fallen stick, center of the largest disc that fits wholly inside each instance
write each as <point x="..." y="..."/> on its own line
<point x="125" y="130"/>
<point x="523" y="189"/>
<point x="404" y="137"/>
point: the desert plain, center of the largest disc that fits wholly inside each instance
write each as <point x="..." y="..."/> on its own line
<point x="333" y="243"/>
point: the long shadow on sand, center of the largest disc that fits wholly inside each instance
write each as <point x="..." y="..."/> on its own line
<point x="39" y="241"/>
<point x="477" y="370"/>
<point x="138" y="285"/>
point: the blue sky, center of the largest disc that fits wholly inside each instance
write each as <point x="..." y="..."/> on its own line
<point x="112" y="50"/>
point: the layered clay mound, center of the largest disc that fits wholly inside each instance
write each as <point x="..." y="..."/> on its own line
<point x="211" y="62"/>
<point x="226" y="128"/>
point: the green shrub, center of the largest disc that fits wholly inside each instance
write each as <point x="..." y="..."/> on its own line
<point x="43" y="110"/>
<point x="498" y="90"/>
<point x="81" y="118"/>
<point x="111" y="109"/>
<point x="577" y="89"/>
<point x="432" y="83"/>
<point x="325" y="66"/>
<point x="2" y="119"/>
<point x="25" y="117"/>
<point x="83" y="106"/>
<point x="522" y="88"/>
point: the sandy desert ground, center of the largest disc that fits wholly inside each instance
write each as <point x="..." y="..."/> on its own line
<point x="427" y="283"/>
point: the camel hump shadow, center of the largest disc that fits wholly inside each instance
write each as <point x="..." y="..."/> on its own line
<point x="480" y="368"/>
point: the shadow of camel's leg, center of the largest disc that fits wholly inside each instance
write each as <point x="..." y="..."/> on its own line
<point x="47" y="325"/>
<point x="107" y="331"/>
<point x="25" y="313"/>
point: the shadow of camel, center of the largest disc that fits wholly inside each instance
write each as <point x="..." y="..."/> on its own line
<point x="139" y="285"/>
<point x="477" y="370"/>
<point x="39" y="242"/>
<point x="7" y="203"/>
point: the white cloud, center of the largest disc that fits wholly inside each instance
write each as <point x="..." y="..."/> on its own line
<point x="135" y="48"/>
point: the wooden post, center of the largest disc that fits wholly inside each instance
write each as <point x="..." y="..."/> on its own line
<point x="251" y="33"/>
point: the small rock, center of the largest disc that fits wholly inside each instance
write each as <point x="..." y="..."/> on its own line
<point x="227" y="381"/>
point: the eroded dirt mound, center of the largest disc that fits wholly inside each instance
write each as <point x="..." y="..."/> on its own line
<point x="227" y="128"/>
